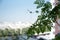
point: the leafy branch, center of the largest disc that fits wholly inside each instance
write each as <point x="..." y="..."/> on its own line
<point x="46" y="18"/>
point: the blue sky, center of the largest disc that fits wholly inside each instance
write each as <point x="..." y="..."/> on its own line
<point x="17" y="10"/>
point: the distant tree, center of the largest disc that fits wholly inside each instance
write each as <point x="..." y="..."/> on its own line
<point x="18" y="31"/>
<point x="1" y="33"/>
<point x="24" y="30"/>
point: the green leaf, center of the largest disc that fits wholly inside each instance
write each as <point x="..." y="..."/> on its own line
<point x="39" y="3"/>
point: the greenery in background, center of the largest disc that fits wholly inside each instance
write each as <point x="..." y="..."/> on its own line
<point x="9" y="32"/>
<point x="13" y="33"/>
<point x="46" y="18"/>
<point x="24" y="30"/>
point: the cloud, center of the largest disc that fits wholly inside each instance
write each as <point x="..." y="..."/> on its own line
<point x="14" y="25"/>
